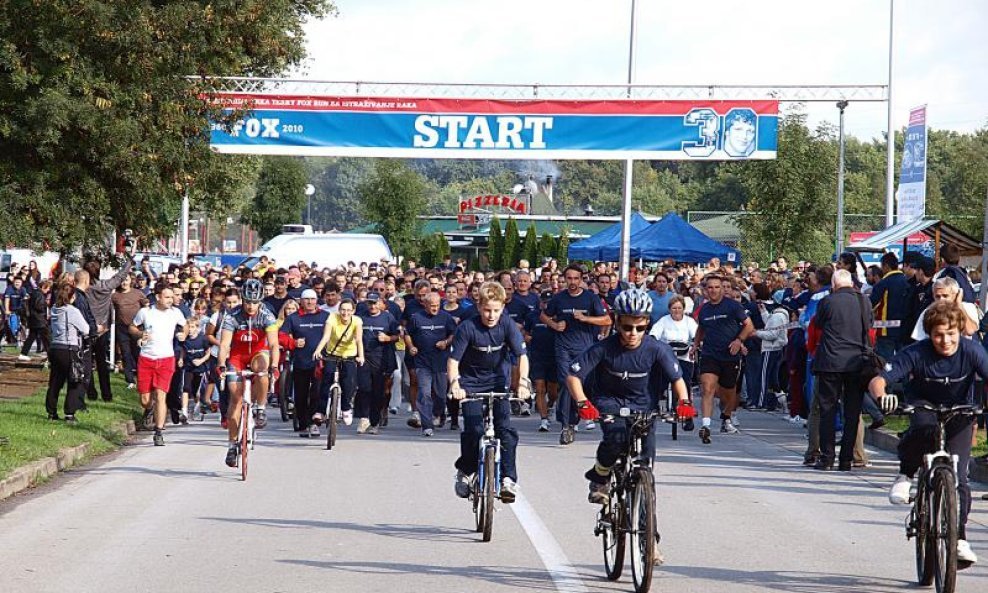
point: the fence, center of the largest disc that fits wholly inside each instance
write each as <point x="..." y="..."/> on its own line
<point x="729" y="228"/>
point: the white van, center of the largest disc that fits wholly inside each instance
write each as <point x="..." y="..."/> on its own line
<point x="46" y="260"/>
<point x="327" y="250"/>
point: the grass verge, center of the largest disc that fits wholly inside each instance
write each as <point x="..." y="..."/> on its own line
<point x="32" y="436"/>
<point x="897" y="424"/>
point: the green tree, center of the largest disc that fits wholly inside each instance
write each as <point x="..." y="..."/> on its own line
<point x="495" y="245"/>
<point x="793" y="195"/>
<point x="562" y="246"/>
<point x="442" y="248"/>
<point x="336" y="202"/>
<point x="530" y="248"/>
<point x="101" y="127"/>
<point x="427" y="251"/>
<point x="547" y="247"/>
<point x="512" y="244"/>
<point x="392" y="196"/>
<point x="279" y="197"/>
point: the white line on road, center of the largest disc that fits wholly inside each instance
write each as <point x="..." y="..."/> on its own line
<point x="563" y="574"/>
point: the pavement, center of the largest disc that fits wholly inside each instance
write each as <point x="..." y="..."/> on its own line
<point x="377" y="514"/>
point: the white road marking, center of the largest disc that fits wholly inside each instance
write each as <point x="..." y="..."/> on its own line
<point x="566" y="578"/>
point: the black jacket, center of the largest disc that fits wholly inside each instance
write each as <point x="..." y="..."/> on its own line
<point x="843" y="318"/>
<point x="37" y="310"/>
<point x="82" y="303"/>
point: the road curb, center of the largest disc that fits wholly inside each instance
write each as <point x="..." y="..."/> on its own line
<point x="31" y="474"/>
<point x="888" y="441"/>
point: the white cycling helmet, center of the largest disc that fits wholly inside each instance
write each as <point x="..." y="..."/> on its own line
<point x="252" y="291"/>
<point x="634" y="302"/>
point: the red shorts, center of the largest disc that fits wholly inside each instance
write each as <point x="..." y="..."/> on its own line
<point x="240" y="361"/>
<point x="154" y="373"/>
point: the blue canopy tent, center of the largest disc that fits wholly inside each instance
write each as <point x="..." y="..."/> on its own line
<point x="606" y="244"/>
<point x="674" y="238"/>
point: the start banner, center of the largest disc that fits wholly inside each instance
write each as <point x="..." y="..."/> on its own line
<point x="498" y="129"/>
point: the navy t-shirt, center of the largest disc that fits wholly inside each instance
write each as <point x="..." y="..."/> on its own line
<point x="309" y="326"/>
<point x="577" y="336"/>
<point x="483" y="353"/>
<point x="543" y="344"/>
<point x="16" y="296"/>
<point x="412" y="306"/>
<point x="623" y="377"/>
<point x="461" y="313"/>
<point x="426" y="330"/>
<point x="518" y="310"/>
<point x="530" y="300"/>
<point x="721" y="324"/>
<point x="937" y="379"/>
<point x="195" y="348"/>
<point x="275" y="304"/>
<point x="375" y="350"/>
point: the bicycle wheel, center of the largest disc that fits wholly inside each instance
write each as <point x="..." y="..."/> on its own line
<point x="642" y="515"/>
<point x="333" y="412"/>
<point x="920" y="519"/>
<point x="675" y="428"/>
<point x="612" y="532"/>
<point x="943" y="523"/>
<point x="478" y="510"/>
<point x="244" y="437"/>
<point x="487" y="497"/>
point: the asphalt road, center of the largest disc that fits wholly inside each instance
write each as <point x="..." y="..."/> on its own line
<point x="377" y="514"/>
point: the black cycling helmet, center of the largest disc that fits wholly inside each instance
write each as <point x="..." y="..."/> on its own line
<point x="252" y="291"/>
<point x="634" y="302"/>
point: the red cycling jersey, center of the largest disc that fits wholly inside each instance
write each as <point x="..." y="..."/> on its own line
<point x="249" y="335"/>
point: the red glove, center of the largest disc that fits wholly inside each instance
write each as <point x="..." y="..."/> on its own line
<point x="685" y="410"/>
<point x="275" y="373"/>
<point x="587" y="410"/>
<point x="220" y="372"/>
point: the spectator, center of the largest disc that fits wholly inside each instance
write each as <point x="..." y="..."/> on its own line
<point x="950" y="255"/>
<point x="843" y="319"/>
<point x="889" y="299"/>
<point x="99" y="294"/>
<point x="36" y="312"/>
<point x="660" y="295"/>
<point x="68" y="329"/>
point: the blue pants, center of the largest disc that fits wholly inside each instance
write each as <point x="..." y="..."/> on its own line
<point x="430" y="405"/>
<point x="614" y="442"/>
<point x="348" y="383"/>
<point x="473" y="429"/>
<point x="769" y="375"/>
<point x="753" y="384"/>
<point x="565" y="407"/>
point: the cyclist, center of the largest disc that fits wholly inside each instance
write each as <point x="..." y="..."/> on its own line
<point x="477" y="364"/>
<point x="341" y="344"/>
<point x="248" y="341"/>
<point x="723" y="327"/>
<point x="940" y="370"/>
<point x="628" y="370"/>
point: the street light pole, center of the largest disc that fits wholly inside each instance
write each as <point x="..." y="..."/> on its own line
<point x="309" y="191"/>
<point x="625" y="258"/>
<point x="841" y="105"/>
<point x="890" y="138"/>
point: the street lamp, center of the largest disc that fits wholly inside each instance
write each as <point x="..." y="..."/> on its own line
<point x="309" y="191"/>
<point x="841" y="105"/>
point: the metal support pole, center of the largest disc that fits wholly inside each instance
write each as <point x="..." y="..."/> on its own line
<point x="841" y="105"/>
<point x="890" y="138"/>
<point x="624" y="264"/>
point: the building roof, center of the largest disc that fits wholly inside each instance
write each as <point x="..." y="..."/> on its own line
<point x="898" y="233"/>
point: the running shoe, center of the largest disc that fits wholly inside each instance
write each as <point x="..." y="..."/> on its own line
<point x="705" y="434"/>
<point x="232" y="454"/>
<point x="427" y="432"/>
<point x="317" y="419"/>
<point x="567" y="435"/>
<point x="589" y="425"/>
<point x="599" y="493"/>
<point x="526" y="410"/>
<point x="183" y="417"/>
<point x="414" y="421"/>
<point x="462" y="484"/>
<point x="260" y="418"/>
<point x="314" y="431"/>
<point x="373" y="430"/>
<point x="727" y="427"/>
<point x="159" y="439"/>
<point x="348" y="417"/>
<point x="544" y="425"/>
<point x="509" y="490"/>
<point x="362" y="425"/>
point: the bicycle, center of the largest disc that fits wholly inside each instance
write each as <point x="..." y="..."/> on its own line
<point x="630" y="508"/>
<point x="333" y="407"/>
<point x="933" y="521"/>
<point x="284" y="401"/>
<point x="486" y="485"/>
<point x="248" y="430"/>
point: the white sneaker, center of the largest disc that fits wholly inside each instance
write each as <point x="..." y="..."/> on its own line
<point x="526" y="410"/>
<point x="317" y="419"/>
<point x="727" y="427"/>
<point x="131" y="386"/>
<point x="362" y="425"/>
<point x="589" y="425"/>
<point x="427" y="432"/>
<point x="348" y="417"/>
<point x="899" y="493"/>
<point x="544" y="425"/>
<point x="437" y="422"/>
<point x="965" y="553"/>
<point x="313" y="431"/>
<point x="23" y="358"/>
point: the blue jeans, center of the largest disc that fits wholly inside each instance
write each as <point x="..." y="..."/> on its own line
<point x="430" y="405"/>
<point x="753" y="377"/>
<point x="565" y="407"/>
<point x="614" y="443"/>
<point x="473" y="429"/>
<point x="348" y="383"/>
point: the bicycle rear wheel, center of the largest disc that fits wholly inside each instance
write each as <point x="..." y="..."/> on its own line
<point x="943" y="523"/>
<point x="924" y="548"/>
<point x="642" y="515"/>
<point x="332" y="413"/>
<point x="283" y="396"/>
<point x="675" y="428"/>
<point x="487" y="496"/>
<point x="612" y="532"/>
<point x="244" y="438"/>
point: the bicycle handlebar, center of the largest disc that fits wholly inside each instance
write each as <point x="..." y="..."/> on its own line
<point x="491" y="395"/>
<point x="952" y="410"/>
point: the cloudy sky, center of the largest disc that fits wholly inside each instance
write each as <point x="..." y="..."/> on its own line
<point x="941" y="52"/>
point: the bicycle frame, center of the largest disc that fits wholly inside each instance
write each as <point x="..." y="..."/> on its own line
<point x="488" y="439"/>
<point x="633" y="458"/>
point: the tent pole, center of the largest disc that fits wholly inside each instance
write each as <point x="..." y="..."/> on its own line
<point x="984" y="259"/>
<point x="936" y="246"/>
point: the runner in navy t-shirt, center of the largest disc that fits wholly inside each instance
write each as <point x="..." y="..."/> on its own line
<point x="481" y="347"/>
<point x="576" y="315"/>
<point x="430" y="333"/>
<point x="723" y="327"/>
<point x="542" y="361"/>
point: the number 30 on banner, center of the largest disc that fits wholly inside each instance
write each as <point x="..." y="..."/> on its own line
<point x="708" y="122"/>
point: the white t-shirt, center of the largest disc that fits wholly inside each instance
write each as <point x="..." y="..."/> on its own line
<point x="970" y="309"/>
<point x="668" y="330"/>
<point x="161" y="327"/>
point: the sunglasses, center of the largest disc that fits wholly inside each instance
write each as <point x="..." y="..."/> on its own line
<point x="628" y="328"/>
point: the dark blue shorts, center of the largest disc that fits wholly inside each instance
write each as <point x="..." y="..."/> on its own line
<point x="542" y="370"/>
